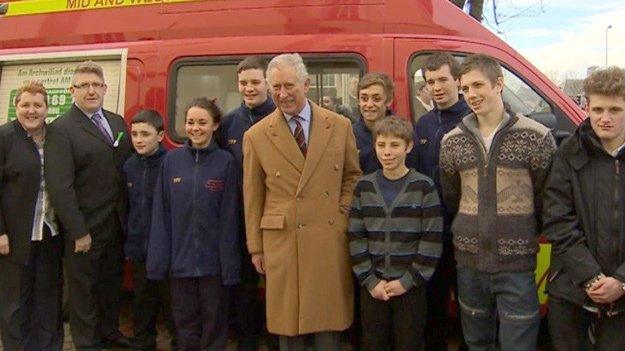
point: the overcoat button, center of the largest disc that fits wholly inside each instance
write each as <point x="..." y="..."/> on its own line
<point x="277" y="174"/>
<point x="331" y="221"/>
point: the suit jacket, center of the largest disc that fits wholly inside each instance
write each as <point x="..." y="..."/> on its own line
<point x="20" y="179"/>
<point x="295" y="215"/>
<point x="88" y="182"/>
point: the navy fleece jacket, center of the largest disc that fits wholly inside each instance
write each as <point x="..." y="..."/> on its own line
<point x="141" y="173"/>
<point x="195" y="216"/>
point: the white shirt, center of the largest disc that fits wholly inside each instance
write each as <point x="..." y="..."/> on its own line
<point x="44" y="213"/>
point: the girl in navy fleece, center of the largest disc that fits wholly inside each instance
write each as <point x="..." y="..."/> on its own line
<point x="193" y="239"/>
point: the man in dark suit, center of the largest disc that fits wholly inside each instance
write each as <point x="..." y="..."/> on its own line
<point x="88" y="194"/>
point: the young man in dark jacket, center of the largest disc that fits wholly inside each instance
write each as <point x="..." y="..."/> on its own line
<point x="256" y="104"/>
<point x="584" y="206"/>
<point x="375" y="96"/>
<point x="440" y="72"/>
<point x="493" y="168"/>
<point x="141" y="171"/>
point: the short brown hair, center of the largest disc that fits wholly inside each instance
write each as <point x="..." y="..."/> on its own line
<point x="393" y="126"/>
<point x="437" y="60"/>
<point x="377" y="78"/>
<point x="483" y="63"/>
<point x="34" y="87"/>
<point x="89" y="67"/>
<point x="609" y="81"/>
<point x="251" y="62"/>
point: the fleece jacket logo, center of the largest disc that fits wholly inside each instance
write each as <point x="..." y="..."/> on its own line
<point x="214" y="185"/>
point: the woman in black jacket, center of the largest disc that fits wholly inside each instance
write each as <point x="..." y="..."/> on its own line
<point x="30" y="242"/>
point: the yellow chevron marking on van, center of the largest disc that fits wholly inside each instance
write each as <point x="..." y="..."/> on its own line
<point x="34" y="7"/>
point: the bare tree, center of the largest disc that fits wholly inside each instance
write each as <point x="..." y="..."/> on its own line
<point x="507" y="13"/>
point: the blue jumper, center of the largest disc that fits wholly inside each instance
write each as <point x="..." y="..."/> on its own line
<point x="141" y="173"/>
<point x="195" y="216"/>
<point x="237" y="122"/>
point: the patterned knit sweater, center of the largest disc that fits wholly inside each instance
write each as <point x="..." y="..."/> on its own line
<point x="497" y="194"/>
<point x="401" y="241"/>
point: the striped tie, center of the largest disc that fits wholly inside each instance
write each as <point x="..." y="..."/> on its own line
<point x="298" y="133"/>
<point x="97" y="119"/>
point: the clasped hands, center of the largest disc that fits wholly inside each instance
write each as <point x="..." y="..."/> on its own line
<point x="384" y="290"/>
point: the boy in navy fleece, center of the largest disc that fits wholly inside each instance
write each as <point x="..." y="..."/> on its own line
<point x="194" y="238"/>
<point x="141" y="171"/>
<point x="395" y="228"/>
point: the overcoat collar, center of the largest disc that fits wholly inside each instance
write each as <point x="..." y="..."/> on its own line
<point x="321" y="128"/>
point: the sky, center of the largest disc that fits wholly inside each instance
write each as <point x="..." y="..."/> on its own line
<point x="562" y="37"/>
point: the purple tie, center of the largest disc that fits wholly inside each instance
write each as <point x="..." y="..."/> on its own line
<point x="298" y="133"/>
<point x="97" y="119"/>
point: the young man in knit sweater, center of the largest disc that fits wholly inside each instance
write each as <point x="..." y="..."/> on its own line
<point x="493" y="169"/>
<point x="395" y="229"/>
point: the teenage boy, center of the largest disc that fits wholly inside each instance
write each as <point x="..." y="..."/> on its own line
<point x="141" y="170"/>
<point x="584" y="222"/>
<point x="375" y="96"/>
<point x="395" y="228"/>
<point x="440" y="72"/>
<point x="256" y="104"/>
<point x="493" y="168"/>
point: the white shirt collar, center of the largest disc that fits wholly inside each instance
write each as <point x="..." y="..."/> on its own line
<point x="304" y="114"/>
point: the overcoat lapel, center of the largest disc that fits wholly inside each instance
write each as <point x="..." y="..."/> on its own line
<point x="282" y="138"/>
<point x="320" y="132"/>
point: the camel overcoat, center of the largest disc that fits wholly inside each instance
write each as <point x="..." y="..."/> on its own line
<point x="295" y="214"/>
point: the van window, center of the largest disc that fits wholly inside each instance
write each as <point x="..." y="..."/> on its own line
<point x="330" y="76"/>
<point x="517" y="94"/>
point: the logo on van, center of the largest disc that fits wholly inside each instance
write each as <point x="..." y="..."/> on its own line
<point x="214" y="185"/>
<point x="176" y="180"/>
<point x="232" y="141"/>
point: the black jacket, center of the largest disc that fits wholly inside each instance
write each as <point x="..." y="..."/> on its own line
<point x="583" y="216"/>
<point x="20" y="179"/>
<point x="141" y="174"/>
<point x="88" y="183"/>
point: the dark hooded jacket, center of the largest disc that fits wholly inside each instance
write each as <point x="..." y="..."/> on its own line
<point x="583" y="216"/>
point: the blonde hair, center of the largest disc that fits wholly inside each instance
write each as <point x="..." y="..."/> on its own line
<point x="34" y="87"/>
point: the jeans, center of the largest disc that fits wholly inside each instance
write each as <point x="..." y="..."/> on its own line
<point x="511" y="296"/>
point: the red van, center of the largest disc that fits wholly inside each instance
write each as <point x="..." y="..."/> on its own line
<point x="161" y="53"/>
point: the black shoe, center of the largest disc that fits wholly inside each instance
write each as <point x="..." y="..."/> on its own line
<point x="118" y="340"/>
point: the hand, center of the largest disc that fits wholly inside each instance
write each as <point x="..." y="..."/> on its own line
<point x="83" y="244"/>
<point x="378" y="292"/>
<point x="258" y="260"/>
<point x="606" y="290"/>
<point x="4" y="244"/>
<point x="394" y="288"/>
